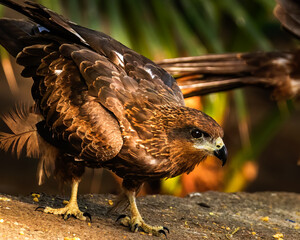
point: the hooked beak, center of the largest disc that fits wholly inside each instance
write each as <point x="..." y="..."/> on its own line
<point x="220" y="150"/>
<point x="221" y="154"/>
<point x="216" y="148"/>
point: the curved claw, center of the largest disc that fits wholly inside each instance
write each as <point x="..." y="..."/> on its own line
<point x="121" y="216"/>
<point x="167" y="229"/>
<point x="163" y="232"/>
<point x="40" y="209"/>
<point x="135" y="228"/>
<point x="66" y="217"/>
<point x="86" y="214"/>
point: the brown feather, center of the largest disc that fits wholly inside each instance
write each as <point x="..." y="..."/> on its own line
<point x="287" y="12"/>
<point x="221" y="72"/>
<point x="21" y="123"/>
<point x="25" y="138"/>
<point x="104" y="105"/>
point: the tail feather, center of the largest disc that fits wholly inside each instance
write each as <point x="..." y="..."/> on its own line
<point x="23" y="136"/>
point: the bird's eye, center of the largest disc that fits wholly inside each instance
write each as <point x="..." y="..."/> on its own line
<point x="196" y="133"/>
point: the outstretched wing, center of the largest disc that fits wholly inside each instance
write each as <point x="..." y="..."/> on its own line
<point x="205" y="74"/>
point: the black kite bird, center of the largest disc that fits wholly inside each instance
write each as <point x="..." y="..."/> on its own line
<point x="100" y="104"/>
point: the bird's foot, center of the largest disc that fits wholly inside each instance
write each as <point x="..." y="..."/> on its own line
<point x="71" y="209"/>
<point x="137" y="224"/>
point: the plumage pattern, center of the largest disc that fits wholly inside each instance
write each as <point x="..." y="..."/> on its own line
<point x="103" y="105"/>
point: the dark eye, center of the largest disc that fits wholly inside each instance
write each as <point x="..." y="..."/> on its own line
<point x="196" y="133"/>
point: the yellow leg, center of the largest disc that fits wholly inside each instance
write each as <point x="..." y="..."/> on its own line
<point x="136" y="222"/>
<point x="71" y="209"/>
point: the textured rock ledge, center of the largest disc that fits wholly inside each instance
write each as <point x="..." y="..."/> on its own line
<point x="210" y="215"/>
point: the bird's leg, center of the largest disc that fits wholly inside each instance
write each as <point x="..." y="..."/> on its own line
<point x="71" y="209"/>
<point x="136" y="222"/>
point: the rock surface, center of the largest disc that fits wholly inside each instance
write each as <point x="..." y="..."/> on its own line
<point x="210" y="215"/>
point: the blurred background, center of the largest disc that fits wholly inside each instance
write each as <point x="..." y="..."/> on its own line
<point x="262" y="136"/>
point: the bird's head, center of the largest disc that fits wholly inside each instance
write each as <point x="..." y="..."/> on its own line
<point x="192" y="136"/>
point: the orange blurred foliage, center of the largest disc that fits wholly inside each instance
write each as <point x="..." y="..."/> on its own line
<point x="208" y="175"/>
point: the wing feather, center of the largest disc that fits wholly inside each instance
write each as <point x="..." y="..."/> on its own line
<point x="288" y="13"/>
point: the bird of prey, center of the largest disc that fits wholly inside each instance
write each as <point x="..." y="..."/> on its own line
<point x="100" y="104"/>
<point x="278" y="71"/>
